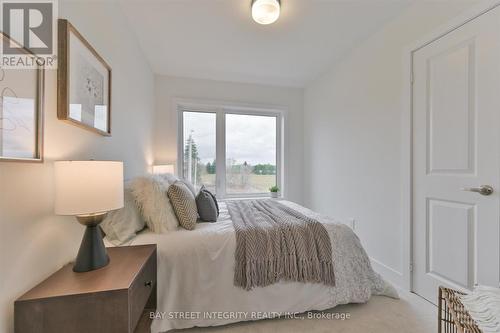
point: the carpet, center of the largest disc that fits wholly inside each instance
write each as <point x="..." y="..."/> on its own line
<point x="410" y="314"/>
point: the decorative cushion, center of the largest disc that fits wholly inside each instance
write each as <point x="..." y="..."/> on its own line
<point x="184" y="204"/>
<point x="189" y="185"/>
<point x="121" y="225"/>
<point x="167" y="177"/>
<point x="172" y="179"/>
<point x="207" y="205"/>
<point x="150" y="195"/>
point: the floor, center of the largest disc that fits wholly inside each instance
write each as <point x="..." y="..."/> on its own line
<point x="410" y="314"/>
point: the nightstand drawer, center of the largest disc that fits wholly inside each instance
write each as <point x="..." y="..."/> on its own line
<point x="142" y="288"/>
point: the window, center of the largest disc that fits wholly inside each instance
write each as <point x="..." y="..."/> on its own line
<point x="199" y="149"/>
<point x="233" y="152"/>
<point x="250" y="153"/>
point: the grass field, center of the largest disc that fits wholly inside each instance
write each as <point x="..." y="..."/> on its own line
<point x="254" y="184"/>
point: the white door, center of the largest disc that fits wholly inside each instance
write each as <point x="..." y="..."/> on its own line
<point x="456" y="149"/>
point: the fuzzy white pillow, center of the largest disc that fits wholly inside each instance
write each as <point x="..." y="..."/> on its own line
<point x="150" y="193"/>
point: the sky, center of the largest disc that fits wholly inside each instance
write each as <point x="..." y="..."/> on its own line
<point x="248" y="138"/>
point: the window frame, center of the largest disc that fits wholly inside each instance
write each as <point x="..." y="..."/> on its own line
<point x="221" y="109"/>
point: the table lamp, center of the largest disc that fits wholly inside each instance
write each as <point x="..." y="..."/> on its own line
<point x="89" y="190"/>
<point x="163" y="169"/>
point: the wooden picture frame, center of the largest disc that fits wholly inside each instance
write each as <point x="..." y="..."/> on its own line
<point x="83" y="82"/>
<point x="24" y="112"/>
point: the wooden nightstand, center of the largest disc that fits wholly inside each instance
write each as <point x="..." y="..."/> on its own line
<point x="110" y="299"/>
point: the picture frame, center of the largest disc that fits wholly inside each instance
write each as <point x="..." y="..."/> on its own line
<point x="21" y="110"/>
<point x="84" y="82"/>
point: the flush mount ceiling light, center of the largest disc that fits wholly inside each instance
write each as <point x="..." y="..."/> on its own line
<point x="265" y="11"/>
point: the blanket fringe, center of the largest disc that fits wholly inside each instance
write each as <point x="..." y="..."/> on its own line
<point x="264" y="272"/>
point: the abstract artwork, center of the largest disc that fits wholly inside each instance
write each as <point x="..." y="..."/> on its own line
<point x="21" y="93"/>
<point x="84" y="87"/>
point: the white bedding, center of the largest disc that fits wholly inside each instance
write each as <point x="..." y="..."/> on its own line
<point x="195" y="277"/>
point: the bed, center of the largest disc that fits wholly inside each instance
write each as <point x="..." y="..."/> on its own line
<point x="196" y="269"/>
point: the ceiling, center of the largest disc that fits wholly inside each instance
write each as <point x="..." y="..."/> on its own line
<point x="217" y="39"/>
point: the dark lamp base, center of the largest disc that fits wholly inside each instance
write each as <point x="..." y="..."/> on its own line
<point x="92" y="254"/>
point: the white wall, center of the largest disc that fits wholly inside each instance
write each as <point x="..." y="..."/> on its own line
<point x="35" y="243"/>
<point x="169" y="88"/>
<point x="352" y="119"/>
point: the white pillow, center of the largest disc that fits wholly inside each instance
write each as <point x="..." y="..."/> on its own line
<point x="150" y="193"/>
<point x="190" y="186"/>
<point x="121" y="225"/>
<point x="171" y="179"/>
<point x="168" y="177"/>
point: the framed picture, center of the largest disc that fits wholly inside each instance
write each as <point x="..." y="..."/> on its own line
<point x="84" y="82"/>
<point x="21" y="111"/>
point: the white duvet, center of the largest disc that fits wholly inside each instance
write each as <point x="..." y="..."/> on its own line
<point x="195" y="277"/>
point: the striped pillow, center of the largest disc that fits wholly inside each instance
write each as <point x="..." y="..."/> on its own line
<point x="184" y="204"/>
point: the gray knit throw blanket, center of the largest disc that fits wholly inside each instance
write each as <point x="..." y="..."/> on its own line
<point x="275" y="242"/>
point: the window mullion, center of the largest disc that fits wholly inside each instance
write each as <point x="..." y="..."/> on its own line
<point x="221" y="154"/>
<point x="180" y="142"/>
<point x="279" y="154"/>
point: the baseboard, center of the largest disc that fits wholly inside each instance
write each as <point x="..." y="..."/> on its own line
<point x="388" y="273"/>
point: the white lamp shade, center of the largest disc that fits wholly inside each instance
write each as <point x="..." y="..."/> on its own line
<point x="88" y="187"/>
<point x="162" y="169"/>
<point x="265" y="11"/>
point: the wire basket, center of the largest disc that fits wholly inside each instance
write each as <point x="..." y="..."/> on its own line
<point x="453" y="317"/>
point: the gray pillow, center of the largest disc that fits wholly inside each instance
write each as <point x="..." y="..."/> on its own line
<point x="208" y="209"/>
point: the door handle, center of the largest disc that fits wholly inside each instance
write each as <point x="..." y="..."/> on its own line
<point x="483" y="189"/>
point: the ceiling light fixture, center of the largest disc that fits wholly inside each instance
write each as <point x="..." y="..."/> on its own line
<point x="265" y="11"/>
